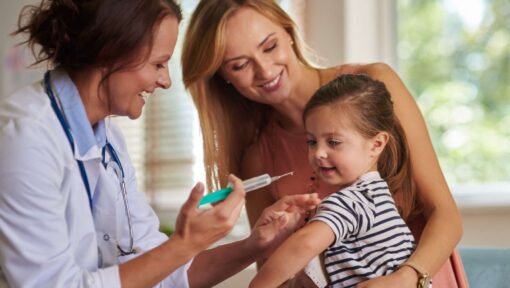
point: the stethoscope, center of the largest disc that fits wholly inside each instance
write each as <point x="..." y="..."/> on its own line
<point x="114" y="163"/>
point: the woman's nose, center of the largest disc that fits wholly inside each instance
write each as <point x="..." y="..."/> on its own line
<point x="164" y="80"/>
<point x="264" y="69"/>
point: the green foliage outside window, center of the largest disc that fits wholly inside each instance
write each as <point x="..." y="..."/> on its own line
<point x="454" y="55"/>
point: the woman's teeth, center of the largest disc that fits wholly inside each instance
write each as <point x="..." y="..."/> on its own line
<point x="273" y="82"/>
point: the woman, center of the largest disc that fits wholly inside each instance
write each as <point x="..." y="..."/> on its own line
<point x="250" y="81"/>
<point x="70" y="214"/>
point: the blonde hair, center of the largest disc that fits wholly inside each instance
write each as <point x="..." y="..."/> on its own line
<point x="230" y="122"/>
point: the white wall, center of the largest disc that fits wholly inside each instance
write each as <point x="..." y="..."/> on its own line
<point x="351" y="31"/>
<point x="13" y="72"/>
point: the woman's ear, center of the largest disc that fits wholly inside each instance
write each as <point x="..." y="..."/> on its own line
<point x="378" y="143"/>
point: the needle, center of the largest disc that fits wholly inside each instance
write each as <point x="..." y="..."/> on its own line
<point x="274" y="178"/>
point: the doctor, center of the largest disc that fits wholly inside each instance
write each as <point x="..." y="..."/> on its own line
<point x="70" y="214"/>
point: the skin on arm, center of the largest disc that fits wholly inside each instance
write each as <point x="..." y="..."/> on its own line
<point x="215" y="265"/>
<point x="290" y="257"/>
<point x="439" y="237"/>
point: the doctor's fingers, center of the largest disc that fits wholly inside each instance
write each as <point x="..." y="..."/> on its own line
<point x="235" y="198"/>
<point x="227" y="212"/>
<point x="190" y="206"/>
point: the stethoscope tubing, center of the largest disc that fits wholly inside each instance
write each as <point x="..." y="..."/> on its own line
<point x="67" y="130"/>
<point x="111" y="151"/>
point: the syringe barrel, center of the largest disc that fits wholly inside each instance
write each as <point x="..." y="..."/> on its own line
<point x="256" y="182"/>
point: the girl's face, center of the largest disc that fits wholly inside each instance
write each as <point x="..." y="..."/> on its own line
<point x="259" y="61"/>
<point x="337" y="152"/>
<point x="126" y="88"/>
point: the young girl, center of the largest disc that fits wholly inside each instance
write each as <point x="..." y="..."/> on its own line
<point x="355" y="143"/>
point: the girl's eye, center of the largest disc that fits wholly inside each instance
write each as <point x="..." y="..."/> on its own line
<point x="311" y="142"/>
<point x="334" y="143"/>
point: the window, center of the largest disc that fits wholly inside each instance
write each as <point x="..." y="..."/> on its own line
<point x="455" y="59"/>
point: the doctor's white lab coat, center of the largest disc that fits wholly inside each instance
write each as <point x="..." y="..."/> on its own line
<point x="48" y="235"/>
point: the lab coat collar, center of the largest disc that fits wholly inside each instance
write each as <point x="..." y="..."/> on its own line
<point x="87" y="140"/>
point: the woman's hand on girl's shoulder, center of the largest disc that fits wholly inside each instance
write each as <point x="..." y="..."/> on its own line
<point x="402" y="278"/>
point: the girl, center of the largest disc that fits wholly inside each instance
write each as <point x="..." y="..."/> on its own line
<point x="356" y="144"/>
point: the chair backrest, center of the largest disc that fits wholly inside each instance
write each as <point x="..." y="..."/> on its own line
<point x="486" y="267"/>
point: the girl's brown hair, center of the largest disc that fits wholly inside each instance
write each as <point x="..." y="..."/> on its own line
<point x="78" y="35"/>
<point x="368" y="104"/>
<point x="229" y="121"/>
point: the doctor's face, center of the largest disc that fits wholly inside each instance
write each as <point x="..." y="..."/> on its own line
<point x="128" y="89"/>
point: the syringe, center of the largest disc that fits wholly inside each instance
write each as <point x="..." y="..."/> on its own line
<point x="249" y="185"/>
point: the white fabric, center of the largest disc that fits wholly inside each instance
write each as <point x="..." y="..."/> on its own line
<point x="48" y="237"/>
<point x="315" y="272"/>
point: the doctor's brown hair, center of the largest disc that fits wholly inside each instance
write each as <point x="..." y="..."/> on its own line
<point x="79" y="35"/>
<point x="368" y="105"/>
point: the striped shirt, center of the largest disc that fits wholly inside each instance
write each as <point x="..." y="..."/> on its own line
<point x="371" y="238"/>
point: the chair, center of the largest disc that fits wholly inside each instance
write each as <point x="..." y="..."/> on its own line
<point x="486" y="267"/>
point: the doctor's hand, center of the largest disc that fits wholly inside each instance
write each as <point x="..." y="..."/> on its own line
<point x="280" y="220"/>
<point x="199" y="228"/>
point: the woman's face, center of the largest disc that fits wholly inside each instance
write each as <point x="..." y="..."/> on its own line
<point x="259" y="60"/>
<point x="127" y="88"/>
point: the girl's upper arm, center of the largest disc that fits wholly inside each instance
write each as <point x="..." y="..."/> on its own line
<point x="258" y="200"/>
<point x="306" y="243"/>
<point x="430" y="182"/>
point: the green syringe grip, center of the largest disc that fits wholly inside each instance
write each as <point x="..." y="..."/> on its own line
<point x="216" y="196"/>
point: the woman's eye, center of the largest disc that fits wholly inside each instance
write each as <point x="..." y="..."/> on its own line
<point x="237" y="67"/>
<point x="160" y="66"/>
<point x="271" y="48"/>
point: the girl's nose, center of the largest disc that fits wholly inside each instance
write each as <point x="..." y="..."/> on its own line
<point x="320" y="153"/>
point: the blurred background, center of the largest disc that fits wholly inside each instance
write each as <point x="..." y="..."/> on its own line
<point x="453" y="55"/>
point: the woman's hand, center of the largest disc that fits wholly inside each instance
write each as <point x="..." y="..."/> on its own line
<point x="200" y="228"/>
<point x="280" y="220"/>
<point x="404" y="277"/>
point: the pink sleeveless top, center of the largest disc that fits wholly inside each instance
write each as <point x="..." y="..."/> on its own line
<point x="282" y="152"/>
